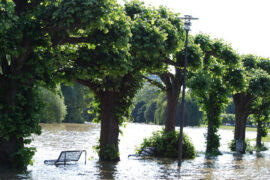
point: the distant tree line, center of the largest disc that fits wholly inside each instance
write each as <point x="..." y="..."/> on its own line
<point x="72" y="104"/>
<point x="68" y="104"/>
<point x="150" y="107"/>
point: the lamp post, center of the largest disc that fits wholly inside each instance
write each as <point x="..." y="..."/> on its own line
<point x="187" y="24"/>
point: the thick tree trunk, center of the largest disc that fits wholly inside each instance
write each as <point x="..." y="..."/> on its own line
<point x="173" y="85"/>
<point x="212" y="139"/>
<point x="109" y="128"/>
<point x="8" y="149"/>
<point x="9" y="144"/>
<point x="240" y="123"/>
<point x="259" y="135"/>
<point x="242" y="103"/>
<point x="209" y="133"/>
<point x="171" y="109"/>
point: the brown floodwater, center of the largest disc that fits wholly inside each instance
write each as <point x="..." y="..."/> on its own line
<point x="59" y="137"/>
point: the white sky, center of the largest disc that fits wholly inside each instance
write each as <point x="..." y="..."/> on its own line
<point x="243" y="23"/>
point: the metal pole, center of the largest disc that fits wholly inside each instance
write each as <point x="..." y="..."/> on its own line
<point x="180" y="152"/>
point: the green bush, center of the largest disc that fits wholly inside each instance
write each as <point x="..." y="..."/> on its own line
<point x="166" y="145"/>
<point x="228" y="119"/>
<point x="247" y="145"/>
<point x="77" y="99"/>
<point x="54" y="110"/>
<point x="262" y="148"/>
<point x="111" y="152"/>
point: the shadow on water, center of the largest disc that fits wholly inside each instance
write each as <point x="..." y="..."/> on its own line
<point x="107" y="170"/>
<point x="12" y="174"/>
<point x="260" y="155"/>
<point x="237" y="156"/>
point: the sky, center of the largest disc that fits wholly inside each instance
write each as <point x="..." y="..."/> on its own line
<point x="245" y="24"/>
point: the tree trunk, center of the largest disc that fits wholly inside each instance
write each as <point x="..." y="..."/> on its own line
<point x="171" y="109"/>
<point x="240" y="123"/>
<point x="209" y="133"/>
<point x="213" y="114"/>
<point x="10" y="145"/>
<point x="259" y="135"/>
<point x="242" y="103"/>
<point x="8" y="149"/>
<point x="109" y="128"/>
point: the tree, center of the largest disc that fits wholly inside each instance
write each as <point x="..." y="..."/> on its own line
<point x="78" y="100"/>
<point x="255" y="77"/>
<point x="149" y="113"/>
<point x="153" y="108"/>
<point x="30" y="31"/>
<point x="54" y="110"/>
<point x="173" y="56"/>
<point x="174" y="82"/>
<point x="260" y="109"/>
<point x="147" y="93"/>
<point x="192" y="114"/>
<point x="136" y="112"/>
<point x="112" y="64"/>
<point x="212" y="84"/>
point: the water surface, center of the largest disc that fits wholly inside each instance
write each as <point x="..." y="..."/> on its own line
<point x="59" y="137"/>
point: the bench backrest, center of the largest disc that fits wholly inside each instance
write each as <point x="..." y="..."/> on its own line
<point x="67" y="156"/>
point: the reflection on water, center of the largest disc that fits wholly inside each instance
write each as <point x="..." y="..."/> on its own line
<point x="58" y="137"/>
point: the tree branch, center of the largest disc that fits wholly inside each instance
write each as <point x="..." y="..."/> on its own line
<point x="34" y="4"/>
<point x="71" y="40"/>
<point x="151" y="81"/>
<point x="18" y="63"/>
<point x="89" y="84"/>
<point x="170" y="62"/>
<point x="167" y="78"/>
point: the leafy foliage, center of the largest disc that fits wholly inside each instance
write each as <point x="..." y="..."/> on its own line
<point x="150" y="107"/>
<point x="30" y="31"/>
<point x="248" y="100"/>
<point x="54" y="110"/>
<point x="78" y="101"/>
<point x="228" y="119"/>
<point x="212" y="84"/>
<point x="166" y="145"/>
<point x="110" y="152"/>
<point x="113" y="61"/>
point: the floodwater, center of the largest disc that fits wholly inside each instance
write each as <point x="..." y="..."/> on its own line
<point x="59" y="137"/>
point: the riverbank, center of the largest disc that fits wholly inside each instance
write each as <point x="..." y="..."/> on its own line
<point x="265" y="139"/>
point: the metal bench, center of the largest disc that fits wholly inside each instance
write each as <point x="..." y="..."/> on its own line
<point x="147" y="151"/>
<point x="66" y="157"/>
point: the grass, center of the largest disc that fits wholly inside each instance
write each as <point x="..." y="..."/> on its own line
<point x="232" y="127"/>
<point x="265" y="139"/>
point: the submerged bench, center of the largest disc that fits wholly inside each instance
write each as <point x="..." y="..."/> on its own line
<point x="66" y="157"/>
<point x="147" y="151"/>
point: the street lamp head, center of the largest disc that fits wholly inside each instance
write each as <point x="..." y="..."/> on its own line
<point x="187" y="21"/>
<point x="187" y="25"/>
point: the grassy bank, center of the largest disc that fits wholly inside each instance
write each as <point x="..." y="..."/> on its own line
<point x="265" y="139"/>
<point x="232" y="127"/>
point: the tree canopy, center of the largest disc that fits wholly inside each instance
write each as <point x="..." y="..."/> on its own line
<point x="255" y="81"/>
<point x="30" y="31"/>
<point x="211" y="85"/>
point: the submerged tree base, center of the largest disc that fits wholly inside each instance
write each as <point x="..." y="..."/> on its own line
<point x="213" y="153"/>
<point x="261" y="148"/>
<point x="166" y="145"/>
<point x="247" y="145"/>
<point x="110" y="153"/>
